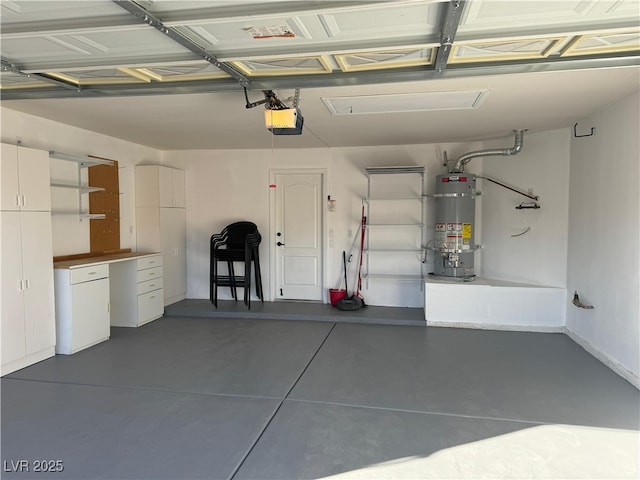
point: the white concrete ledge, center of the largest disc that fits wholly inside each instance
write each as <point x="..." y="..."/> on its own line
<point x="494" y="304"/>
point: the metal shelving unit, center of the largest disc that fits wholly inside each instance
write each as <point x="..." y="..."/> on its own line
<point x="395" y="242"/>
<point x="82" y="162"/>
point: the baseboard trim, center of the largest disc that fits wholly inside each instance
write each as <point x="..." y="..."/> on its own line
<point x="498" y="326"/>
<point x="614" y="365"/>
<point x="27" y="361"/>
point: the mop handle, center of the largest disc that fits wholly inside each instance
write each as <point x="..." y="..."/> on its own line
<point x="344" y="262"/>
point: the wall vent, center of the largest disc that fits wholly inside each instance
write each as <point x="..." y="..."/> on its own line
<point x="405" y="102"/>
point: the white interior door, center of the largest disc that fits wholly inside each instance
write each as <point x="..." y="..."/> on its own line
<point x="298" y="236"/>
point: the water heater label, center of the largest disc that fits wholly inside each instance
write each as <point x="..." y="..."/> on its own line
<point x="454" y="229"/>
<point x="454" y="178"/>
<point x="441" y="235"/>
<point x="466" y="236"/>
<point x="453" y="236"/>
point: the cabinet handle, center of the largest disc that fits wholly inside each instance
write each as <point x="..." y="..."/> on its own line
<point x="24" y="201"/>
<point x="151" y="298"/>
<point x="152" y="285"/>
<point x="17" y="200"/>
<point x="20" y="285"/>
<point x="26" y="284"/>
<point x="92" y="273"/>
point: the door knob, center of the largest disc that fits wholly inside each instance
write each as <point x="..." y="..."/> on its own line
<point x="280" y="244"/>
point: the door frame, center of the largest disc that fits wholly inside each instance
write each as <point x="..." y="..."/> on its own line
<point x="323" y="172"/>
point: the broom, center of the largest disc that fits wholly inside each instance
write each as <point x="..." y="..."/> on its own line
<point x="349" y="303"/>
<point x="363" y="225"/>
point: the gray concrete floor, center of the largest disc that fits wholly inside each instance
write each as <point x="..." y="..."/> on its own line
<point x="208" y="398"/>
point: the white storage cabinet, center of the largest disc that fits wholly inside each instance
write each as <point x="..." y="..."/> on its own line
<point x="82" y="307"/>
<point x="136" y="291"/>
<point x="161" y="224"/>
<point x="25" y="179"/>
<point x="27" y="302"/>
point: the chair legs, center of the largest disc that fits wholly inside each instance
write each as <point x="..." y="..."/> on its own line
<point x="258" y="274"/>
<point x="233" y="281"/>
<point x="222" y="249"/>
<point x="213" y="284"/>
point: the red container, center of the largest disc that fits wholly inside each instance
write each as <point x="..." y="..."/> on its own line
<point x="336" y="295"/>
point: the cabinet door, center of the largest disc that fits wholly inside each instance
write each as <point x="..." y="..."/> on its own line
<point x="39" y="307"/>
<point x="148" y="229"/>
<point x="9" y="193"/>
<point x="146" y="179"/>
<point x="34" y="179"/>
<point x="165" y="183"/>
<point x="171" y="184"/>
<point x="173" y="232"/>
<point x="90" y="313"/>
<point x="179" y="189"/>
<point x="12" y="300"/>
<point x="150" y="306"/>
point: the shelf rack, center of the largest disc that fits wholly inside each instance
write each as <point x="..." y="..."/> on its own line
<point x="83" y="161"/>
<point x="414" y="203"/>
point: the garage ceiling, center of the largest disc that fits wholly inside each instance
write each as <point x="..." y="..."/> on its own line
<point x="448" y="70"/>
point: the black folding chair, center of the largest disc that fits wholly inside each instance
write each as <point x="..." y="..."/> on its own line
<point x="238" y="242"/>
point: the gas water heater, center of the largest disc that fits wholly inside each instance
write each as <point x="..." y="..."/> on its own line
<point x="455" y="217"/>
<point x="455" y="195"/>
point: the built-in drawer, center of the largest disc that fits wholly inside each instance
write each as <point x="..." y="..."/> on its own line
<point x="149" y="262"/>
<point x="149" y="274"/>
<point x="86" y="274"/>
<point x="150" y="285"/>
<point x="150" y="306"/>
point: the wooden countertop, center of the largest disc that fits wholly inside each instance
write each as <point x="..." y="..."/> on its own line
<point x="117" y="257"/>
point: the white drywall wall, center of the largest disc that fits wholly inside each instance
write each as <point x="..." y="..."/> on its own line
<point x="70" y="235"/>
<point x="224" y="186"/>
<point x="540" y="255"/>
<point x="604" y="236"/>
<point x="231" y="185"/>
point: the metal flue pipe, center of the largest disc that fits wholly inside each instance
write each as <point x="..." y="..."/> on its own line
<point x="466" y="158"/>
